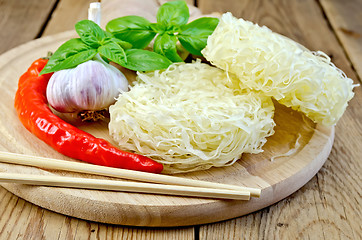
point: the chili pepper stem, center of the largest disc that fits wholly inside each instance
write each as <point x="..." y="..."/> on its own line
<point x="49" y="54"/>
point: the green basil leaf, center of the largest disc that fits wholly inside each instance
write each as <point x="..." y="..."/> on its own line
<point x="123" y="44"/>
<point x="113" y="52"/>
<point x="165" y="45"/>
<point x="128" y="22"/>
<point x="174" y="13"/>
<point x="139" y="38"/>
<point x="158" y="28"/>
<point x="69" y="55"/>
<point x="193" y="36"/>
<point x="133" y="29"/>
<point x="90" y="33"/>
<point x="143" y="60"/>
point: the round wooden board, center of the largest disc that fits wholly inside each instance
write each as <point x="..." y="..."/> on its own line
<point x="277" y="179"/>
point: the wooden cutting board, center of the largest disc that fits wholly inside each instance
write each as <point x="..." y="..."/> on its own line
<point x="277" y="179"/>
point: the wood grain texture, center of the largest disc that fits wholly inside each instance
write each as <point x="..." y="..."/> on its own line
<point x="334" y="192"/>
<point x="66" y="15"/>
<point x="347" y="26"/>
<point x="22" y="20"/>
<point x="22" y="220"/>
<point x="327" y="207"/>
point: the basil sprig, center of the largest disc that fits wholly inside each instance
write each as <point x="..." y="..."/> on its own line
<point x="126" y="37"/>
<point x="132" y="29"/>
<point x="94" y="40"/>
<point x="171" y="27"/>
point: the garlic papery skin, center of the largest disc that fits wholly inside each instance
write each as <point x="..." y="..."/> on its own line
<point x="92" y="85"/>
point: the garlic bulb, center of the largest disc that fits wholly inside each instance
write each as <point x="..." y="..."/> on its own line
<point x="92" y="85"/>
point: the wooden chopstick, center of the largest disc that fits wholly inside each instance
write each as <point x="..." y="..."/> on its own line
<point x="139" y="187"/>
<point x="49" y="163"/>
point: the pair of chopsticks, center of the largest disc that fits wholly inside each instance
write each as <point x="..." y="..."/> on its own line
<point x="149" y="182"/>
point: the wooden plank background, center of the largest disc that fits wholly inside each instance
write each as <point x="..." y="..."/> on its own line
<point x="327" y="207"/>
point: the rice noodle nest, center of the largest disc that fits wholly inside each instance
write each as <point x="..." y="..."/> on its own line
<point x="281" y="68"/>
<point x="191" y="116"/>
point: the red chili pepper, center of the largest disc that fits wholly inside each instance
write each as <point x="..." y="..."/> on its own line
<point x="33" y="111"/>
